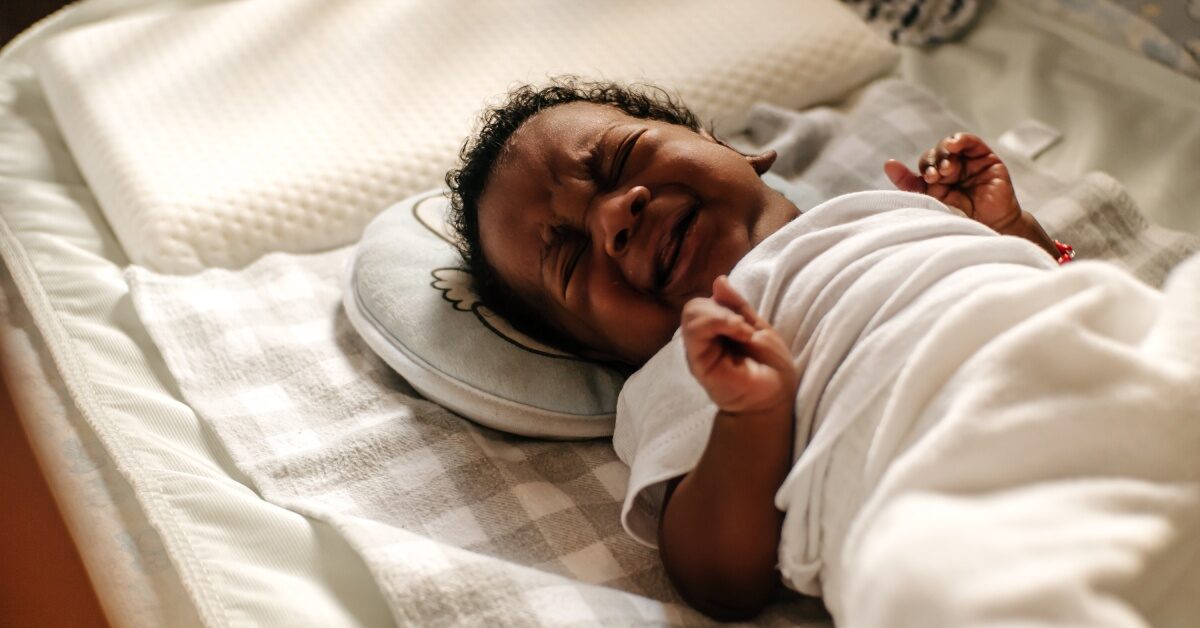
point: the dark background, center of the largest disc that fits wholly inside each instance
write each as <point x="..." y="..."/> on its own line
<point x="17" y="15"/>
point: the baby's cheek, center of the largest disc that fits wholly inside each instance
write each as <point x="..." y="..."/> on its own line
<point x="637" y="327"/>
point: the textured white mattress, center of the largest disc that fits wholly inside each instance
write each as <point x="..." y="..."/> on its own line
<point x="163" y="520"/>
<point x="215" y="135"/>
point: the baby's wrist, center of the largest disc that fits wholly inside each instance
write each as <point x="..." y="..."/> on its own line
<point x="1011" y="221"/>
<point x="1028" y="227"/>
<point x="767" y="411"/>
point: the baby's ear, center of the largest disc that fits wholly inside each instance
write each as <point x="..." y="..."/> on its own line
<point x="761" y="162"/>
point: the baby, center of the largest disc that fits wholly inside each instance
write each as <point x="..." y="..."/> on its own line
<point x="840" y="374"/>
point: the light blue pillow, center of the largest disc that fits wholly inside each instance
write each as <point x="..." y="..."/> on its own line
<point x="410" y="302"/>
<point x="407" y="298"/>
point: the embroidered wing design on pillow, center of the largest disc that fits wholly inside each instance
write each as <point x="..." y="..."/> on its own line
<point x="455" y="286"/>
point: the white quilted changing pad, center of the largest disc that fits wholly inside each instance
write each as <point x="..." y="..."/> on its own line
<point x="215" y="135"/>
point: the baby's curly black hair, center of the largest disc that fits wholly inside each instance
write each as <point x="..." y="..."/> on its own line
<point x="478" y="159"/>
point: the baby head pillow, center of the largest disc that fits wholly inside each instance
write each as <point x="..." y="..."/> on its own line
<point x="412" y="304"/>
<point x="414" y="307"/>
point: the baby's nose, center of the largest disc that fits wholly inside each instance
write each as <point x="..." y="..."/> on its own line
<point x="619" y="216"/>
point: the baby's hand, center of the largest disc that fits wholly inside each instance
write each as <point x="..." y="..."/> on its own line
<point x="961" y="171"/>
<point x="742" y="363"/>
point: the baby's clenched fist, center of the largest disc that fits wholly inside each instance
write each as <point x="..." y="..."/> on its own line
<point x="742" y="363"/>
<point x="963" y="172"/>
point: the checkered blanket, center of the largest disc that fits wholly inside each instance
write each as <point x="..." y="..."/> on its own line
<point x="461" y="524"/>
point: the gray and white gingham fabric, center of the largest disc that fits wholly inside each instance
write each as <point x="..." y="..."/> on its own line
<point x="459" y="524"/>
<point x="464" y="525"/>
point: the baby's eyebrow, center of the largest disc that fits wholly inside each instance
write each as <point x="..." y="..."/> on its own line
<point x="589" y="150"/>
<point x="582" y="148"/>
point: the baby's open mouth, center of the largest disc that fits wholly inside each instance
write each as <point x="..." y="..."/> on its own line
<point x="668" y="256"/>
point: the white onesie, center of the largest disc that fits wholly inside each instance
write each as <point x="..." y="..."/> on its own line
<point x="931" y="354"/>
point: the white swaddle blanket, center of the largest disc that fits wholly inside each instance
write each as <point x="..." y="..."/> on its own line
<point x="906" y="321"/>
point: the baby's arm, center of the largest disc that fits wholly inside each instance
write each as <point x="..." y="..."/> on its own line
<point x="961" y="171"/>
<point x="719" y="531"/>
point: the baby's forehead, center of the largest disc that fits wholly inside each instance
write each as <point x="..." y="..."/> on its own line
<point x="566" y="127"/>
<point x="574" y="115"/>
<point x="553" y="135"/>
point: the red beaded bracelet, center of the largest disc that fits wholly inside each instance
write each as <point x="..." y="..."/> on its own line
<point x="1066" y="252"/>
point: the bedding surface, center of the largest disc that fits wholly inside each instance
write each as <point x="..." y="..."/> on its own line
<point x="1038" y="465"/>
<point x="122" y="553"/>
<point x="458" y="523"/>
<point x="319" y="425"/>
<point x="327" y="113"/>
<point x="1118" y="112"/>
<point x="1167" y="32"/>
<point x="163" y="520"/>
<point x="258" y="563"/>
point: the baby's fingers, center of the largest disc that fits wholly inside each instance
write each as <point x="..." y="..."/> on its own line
<point x="711" y="334"/>
<point x="944" y="162"/>
<point x="767" y="347"/>
<point x="903" y="178"/>
<point x="949" y="163"/>
<point x="967" y="145"/>
<point x="927" y="165"/>
<point x="703" y="320"/>
<point x="727" y="296"/>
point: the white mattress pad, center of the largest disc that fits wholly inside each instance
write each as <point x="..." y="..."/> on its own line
<point x="214" y="135"/>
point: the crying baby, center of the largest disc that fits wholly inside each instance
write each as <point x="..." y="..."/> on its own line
<point x="897" y="400"/>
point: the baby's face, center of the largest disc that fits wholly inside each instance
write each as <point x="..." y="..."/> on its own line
<point x="609" y="223"/>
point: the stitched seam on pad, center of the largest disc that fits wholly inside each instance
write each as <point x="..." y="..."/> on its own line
<point x="74" y="374"/>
